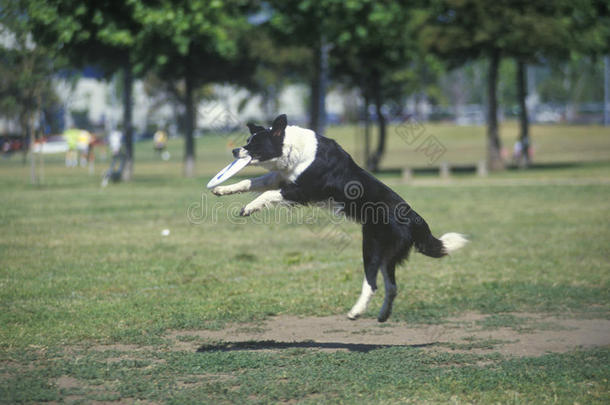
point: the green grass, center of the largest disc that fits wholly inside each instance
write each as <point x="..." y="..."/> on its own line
<point x="467" y="144"/>
<point x="80" y="265"/>
<point x="381" y="376"/>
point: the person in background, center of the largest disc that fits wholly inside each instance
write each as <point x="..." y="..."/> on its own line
<point x="82" y="146"/>
<point x="160" y="144"/>
<point x="71" y="137"/>
<point x="115" y="143"/>
<point x="522" y="153"/>
<point x="90" y="153"/>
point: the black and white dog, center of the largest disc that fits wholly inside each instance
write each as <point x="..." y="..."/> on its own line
<point x="307" y="168"/>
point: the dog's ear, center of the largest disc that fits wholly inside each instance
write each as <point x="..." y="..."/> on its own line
<point x="254" y="128"/>
<point x="279" y="125"/>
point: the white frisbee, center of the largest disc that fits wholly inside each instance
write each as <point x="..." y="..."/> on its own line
<point x="229" y="171"/>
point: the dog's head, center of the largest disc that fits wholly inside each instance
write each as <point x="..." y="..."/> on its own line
<point x="264" y="144"/>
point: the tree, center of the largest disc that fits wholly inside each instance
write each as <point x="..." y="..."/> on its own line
<point x="592" y="20"/>
<point x="309" y="23"/>
<point x="277" y="65"/>
<point x="463" y="30"/>
<point x="374" y="49"/>
<point x="198" y="42"/>
<point x="26" y="71"/>
<point x="539" y="29"/>
<point x="102" y="33"/>
<point x="369" y="45"/>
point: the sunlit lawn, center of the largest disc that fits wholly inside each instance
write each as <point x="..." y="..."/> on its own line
<point x="81" y="265"/>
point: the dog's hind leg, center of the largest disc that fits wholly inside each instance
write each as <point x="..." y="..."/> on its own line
<point x="389" y="280"/>
<point x="372" y="261"/>
<point x="363" y="301"/>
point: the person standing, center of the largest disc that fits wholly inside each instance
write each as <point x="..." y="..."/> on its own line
<point x="115" y="144"/>
<point x="160" y="144"/>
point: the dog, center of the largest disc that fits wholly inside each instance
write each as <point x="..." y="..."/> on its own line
<point x="306" y="168"/>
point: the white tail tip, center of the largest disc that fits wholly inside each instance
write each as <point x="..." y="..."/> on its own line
<point x="453" y="241"/>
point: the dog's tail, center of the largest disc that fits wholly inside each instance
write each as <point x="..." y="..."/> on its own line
<point x="446" y="244"/>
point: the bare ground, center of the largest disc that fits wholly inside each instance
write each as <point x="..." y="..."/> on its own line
<point x="516" y="334"/>
<point x="529" y="335"/>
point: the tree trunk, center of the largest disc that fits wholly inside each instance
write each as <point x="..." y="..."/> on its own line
<point x="494" y="157"/>
<point x="367" y="131"/>
<point x="314" y="94"/>
<point x="189" y="136"/>
<point x="373" y="164"/>
<point x="31" y="140"/>
<point x="318" y="89"/>
<point x="25" y="145"/>
<point x="524" y="136"/>
<point x="41" y="163"/>
<point x="127" y="172"/>
<point x="607" y="90"/>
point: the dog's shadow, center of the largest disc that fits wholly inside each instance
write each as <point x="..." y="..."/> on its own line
<point x="254" y="345"/>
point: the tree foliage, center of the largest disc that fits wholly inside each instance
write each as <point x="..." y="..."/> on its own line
<point x="26" y="68"/>
<point x="386" y="49"/>
<point x="26" y="73"/>
<point x="375" y="50"/>
<point x="100" y="33"/>
<point x="277" y="65"/>
<point x="464" y="30"/>
<point x="197" y="42"/>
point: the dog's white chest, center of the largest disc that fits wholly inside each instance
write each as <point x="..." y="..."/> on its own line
<point x="299" y="152"/>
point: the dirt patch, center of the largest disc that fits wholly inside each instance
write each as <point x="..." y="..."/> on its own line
<point x="197" y="380"/>
<point x="509" y="334"/>
<point x="121" y="348"/>
<point x="78" y="391"/>
<point x="67" y="382"/>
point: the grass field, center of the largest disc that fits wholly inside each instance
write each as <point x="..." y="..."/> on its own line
<point x="94" y="298"/>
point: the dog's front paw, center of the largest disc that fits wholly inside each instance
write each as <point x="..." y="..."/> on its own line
<point x="220" y="190"/>
<point x="250" y="209"/>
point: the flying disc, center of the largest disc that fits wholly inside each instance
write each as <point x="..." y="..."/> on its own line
<point x="229" y="171"/>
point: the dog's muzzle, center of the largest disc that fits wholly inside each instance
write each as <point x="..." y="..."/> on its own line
<point x="239" y="153"/>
